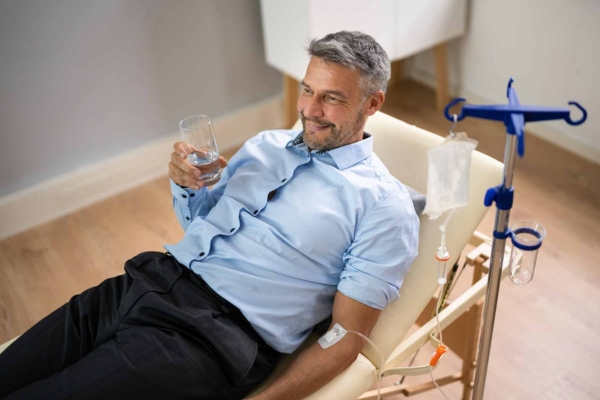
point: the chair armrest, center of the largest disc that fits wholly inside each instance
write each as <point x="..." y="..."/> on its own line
<point x="358" y="378"/>
<point x="448" y="315"/>
<point x="5" y="345"/>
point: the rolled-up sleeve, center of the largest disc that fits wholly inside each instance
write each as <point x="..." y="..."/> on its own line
<point x="384" y="247"/>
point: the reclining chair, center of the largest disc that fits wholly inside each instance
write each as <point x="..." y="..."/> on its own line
<point x="403" y="149"/>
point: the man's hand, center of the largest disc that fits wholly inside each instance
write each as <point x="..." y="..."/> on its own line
<point x="185" y="174"/>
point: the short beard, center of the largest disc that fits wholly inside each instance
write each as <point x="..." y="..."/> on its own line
<point x="338" y="137"/>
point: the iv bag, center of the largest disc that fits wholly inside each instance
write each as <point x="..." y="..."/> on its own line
<point x="448" y="175"/>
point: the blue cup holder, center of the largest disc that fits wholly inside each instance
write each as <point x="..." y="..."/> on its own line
<point x="527" y="238"/>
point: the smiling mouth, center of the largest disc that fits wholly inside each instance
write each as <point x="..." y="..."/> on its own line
<point x="315" y="127"/>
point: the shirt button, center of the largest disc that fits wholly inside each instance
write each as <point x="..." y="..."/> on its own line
<point x="232" y="229"/>
<point x="192" y="194"/>
<point x="283" y="180"/>
<point x="255" y="212"/>
<point x="201" y="254"/>
<point x="184" y="196"/>
<point x="188" y="218"/>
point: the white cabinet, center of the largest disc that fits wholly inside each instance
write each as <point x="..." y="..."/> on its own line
<point x="401" y="27"/>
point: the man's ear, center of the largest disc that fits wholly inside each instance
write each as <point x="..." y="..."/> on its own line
<point x="375" y="102"/>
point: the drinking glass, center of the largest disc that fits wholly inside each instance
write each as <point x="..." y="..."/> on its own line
<point x="201" y="146"/>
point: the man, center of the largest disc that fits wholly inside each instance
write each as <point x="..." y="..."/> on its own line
<point x="301" y="227"/>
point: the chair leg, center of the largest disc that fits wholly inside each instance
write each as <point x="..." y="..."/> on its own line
<point x="442" y="92"/>
<point x="472" y="338"/>
<point x="469" y="362"/>
<point x="397" y="73"/>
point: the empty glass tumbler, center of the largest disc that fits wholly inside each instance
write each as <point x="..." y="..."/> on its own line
<point x="201" y="146"/>
<point x="527" y="237"/>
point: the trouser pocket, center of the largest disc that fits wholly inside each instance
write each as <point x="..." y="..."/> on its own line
<point x="148" y="272"/>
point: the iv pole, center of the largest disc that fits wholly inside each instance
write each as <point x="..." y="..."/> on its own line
<point x="514" y="115"/>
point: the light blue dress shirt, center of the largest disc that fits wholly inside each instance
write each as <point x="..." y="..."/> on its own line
<point x="338" y="221"/>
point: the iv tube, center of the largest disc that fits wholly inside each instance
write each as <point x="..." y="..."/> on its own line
<point x="442" y="255"/>
<point x="445" y="224"/>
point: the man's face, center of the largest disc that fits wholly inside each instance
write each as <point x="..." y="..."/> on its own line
<point x="332" y="110"/>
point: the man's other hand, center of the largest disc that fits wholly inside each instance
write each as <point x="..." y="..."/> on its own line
<point x="185" y="174"/>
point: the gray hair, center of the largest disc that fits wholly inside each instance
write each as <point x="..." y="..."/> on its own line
<point x="355" y="50"/>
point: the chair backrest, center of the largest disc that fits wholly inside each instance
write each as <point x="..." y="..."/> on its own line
<point x="403" y="149"/>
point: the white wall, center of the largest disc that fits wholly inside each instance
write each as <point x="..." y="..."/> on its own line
<point x="550" y="47"/>
<point x="81" y="81"/>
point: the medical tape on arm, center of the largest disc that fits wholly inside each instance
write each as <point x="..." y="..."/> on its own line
<point x="337" y="333"/>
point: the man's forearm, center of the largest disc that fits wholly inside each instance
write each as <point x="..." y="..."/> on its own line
<point x="311" y="370"/>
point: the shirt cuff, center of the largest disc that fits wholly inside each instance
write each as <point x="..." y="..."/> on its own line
<point x="367" y="289"/>
<point x="186" y="195"/>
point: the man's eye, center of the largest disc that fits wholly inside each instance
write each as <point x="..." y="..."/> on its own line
<point x="306" y="90"/>
<point x="329" y="98"/>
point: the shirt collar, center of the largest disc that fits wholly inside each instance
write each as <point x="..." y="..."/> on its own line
<point x="345" y="156"/>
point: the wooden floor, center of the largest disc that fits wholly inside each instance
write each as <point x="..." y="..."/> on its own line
<point x="545" y="342"/>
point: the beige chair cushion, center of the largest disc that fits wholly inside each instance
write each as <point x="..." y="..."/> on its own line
<point x="403" y="149"/>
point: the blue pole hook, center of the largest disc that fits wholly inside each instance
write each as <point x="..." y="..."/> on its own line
<point x="452" y="104"/>
<point x="583" y="118"/>
<point x="510" y="82"/>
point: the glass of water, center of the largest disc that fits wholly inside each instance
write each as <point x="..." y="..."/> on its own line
<point x="199" y="140"/>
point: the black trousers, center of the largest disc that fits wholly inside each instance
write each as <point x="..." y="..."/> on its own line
<point x="158" y="331"/>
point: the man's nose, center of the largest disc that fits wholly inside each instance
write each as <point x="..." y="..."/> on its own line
<point x="310" y="106"/>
